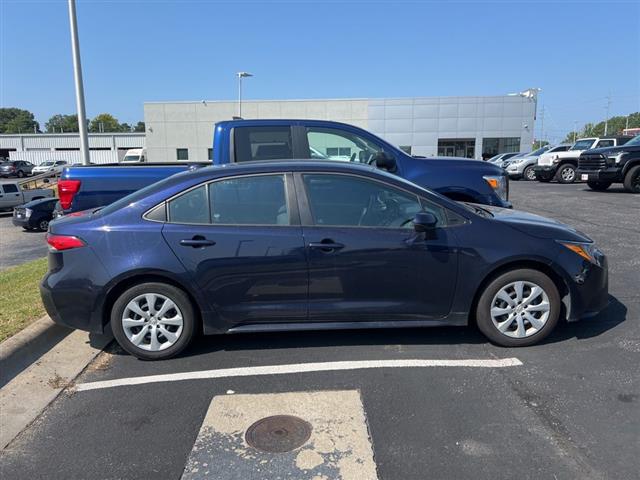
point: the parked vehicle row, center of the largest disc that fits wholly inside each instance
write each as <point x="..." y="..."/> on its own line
<point x="35" y="215"/>
<point x="604" y="166"/>
<point x="562" y="166"/>
<point x="523" y="167"/>
<point x="359" y="247"/>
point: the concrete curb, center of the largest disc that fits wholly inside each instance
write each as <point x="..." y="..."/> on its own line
<point x="19" y="351"/>
<point x="26" y="396"/>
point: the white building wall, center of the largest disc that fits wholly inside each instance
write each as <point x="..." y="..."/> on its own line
<point x="415" y="122"/>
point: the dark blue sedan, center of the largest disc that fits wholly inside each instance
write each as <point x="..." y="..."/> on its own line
<point x="312" y="245"/>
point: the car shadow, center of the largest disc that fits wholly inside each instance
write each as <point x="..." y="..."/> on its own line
<point x="609" y="318"/>
<point x="609" y="190"/>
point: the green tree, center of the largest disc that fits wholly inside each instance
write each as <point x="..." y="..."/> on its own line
<point x="140" y="127"/>
<point x="62" y="124"/>
<point x="614" y="127"/>
<point x="104" y="123"/>
<point x="16" y="120"/>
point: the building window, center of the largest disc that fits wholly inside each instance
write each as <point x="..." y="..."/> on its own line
<point x="182" y="153"/>
<point x="210" y="153"/>
<point x="494" y="146"/>
<point x="338" y="151"/>
<point x="457" y="147"/>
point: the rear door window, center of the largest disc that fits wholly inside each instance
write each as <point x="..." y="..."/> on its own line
<point x="605" y="143"/>
<point x="263" y="143"/>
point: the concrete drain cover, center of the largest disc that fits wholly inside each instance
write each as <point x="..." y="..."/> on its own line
<point x="278" y="434"/>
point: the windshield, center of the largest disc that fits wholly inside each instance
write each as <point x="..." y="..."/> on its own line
<point x="46" y="164"/>
<point x="582" y="144"/>
<point x="131" y="158"/>
<point x="633" y="142"/>
<point x="538" y="152"/>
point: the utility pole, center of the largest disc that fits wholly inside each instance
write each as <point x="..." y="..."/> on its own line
<point x="77" y="75"/>
<point x="575" y="130"/>
<point x="606" y="120"/>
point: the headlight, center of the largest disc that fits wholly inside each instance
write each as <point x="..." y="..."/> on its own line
<point x="27" y="212"/>
<point x="499" y="184"/>
<point x="588" y="251"/>
<point x="616" y="158"/>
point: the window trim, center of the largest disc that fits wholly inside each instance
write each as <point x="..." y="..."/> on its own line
<point x="289" y="193"/>
<point x="306" y="215"/>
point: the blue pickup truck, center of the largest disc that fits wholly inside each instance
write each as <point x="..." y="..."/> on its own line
<point x="85" y="187"/>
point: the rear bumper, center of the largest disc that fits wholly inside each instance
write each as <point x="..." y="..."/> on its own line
<point x="545" y="172"/>
<point x="73" y="295"/>
<point x="604" y="175"/>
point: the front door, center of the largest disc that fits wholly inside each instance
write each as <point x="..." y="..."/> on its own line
<point x="243" y="246"/>
<point x="366" y="262"/>
<point x="9" y="195"/>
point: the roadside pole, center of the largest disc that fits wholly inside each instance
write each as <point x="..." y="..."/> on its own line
<point x="77" y="75"/>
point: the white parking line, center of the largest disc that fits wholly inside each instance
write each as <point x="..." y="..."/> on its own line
<point x="298" y="368"/>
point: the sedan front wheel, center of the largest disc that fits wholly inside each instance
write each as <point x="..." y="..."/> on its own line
<point x="518" y="308"/>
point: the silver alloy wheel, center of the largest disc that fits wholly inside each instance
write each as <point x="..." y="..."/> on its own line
<point x="568" y="174"/>
<point x="44" y="225"/>
<point x="531" y="174"/>
<point x="152" y="322"/>
<point x="520" y="309"/>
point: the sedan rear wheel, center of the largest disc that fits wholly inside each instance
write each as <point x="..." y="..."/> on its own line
<point x="153" y="321"/>
<point x="518" y="308"/>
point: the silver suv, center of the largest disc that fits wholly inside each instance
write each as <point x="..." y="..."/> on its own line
<point x="522" y="167"/>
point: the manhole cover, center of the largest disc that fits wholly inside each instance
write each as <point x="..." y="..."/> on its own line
<point x="277" y="434"/>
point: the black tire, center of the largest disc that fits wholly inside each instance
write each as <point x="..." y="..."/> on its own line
<point x="598" y="186"/>
<point x="529" y="175"/>
<point x="177" y="296"/>
<point x="566" y="173"/>
<point x="20" y="174"/>
<point x="483" y="309"/>
<point x="632" y="180"/>
<point x="43" y="225"/>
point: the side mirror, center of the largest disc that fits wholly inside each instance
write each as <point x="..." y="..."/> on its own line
<point x="385" y="161"/>
<point x="424" y="221"/>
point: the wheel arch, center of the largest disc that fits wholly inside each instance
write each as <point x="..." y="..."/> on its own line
<point x="634" y="162"/>
<point x="514" y="264"/>
<point x="122" y="284"/>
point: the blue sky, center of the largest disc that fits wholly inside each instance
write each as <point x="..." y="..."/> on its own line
<point x="137" y="51"/>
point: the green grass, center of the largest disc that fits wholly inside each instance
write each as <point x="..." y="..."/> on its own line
<point x="20" y="302"/>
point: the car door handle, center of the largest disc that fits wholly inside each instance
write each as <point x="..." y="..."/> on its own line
<point x="326" y="246"/>
<point x="197" y="242"/>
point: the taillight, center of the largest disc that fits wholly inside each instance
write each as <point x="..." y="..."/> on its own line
<point x="64" y="242"/>
<point x="66" y="190"/>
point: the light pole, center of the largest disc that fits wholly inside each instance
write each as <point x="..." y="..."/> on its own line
<point x="77" y="75"/>
<point x="532" y="94"/>
<point x="240" y="76"/>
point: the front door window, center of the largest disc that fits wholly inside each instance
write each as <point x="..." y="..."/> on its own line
<point x="332" y="144"/>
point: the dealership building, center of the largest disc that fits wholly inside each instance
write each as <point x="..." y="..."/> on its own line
<point x="427" y="126"/>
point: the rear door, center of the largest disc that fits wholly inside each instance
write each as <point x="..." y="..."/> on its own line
<point x="240" y="239"/>
<point x="366" y="262"/>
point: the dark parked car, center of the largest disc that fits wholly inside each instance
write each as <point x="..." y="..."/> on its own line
<point x="35" y="215"/>
<point x="16" y="168"/>
<point x="603" y="166"/>
<point x="272" y="246"/>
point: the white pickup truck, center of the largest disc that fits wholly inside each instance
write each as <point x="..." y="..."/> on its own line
<point x="12" y="194"/>
<point x="563" y="165"/>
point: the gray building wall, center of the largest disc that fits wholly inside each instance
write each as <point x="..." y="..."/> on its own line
<point x="418" y="123"/>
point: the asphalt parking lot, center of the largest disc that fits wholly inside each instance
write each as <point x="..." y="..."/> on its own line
<point x="569" y="408"/>
<point x="18" y="246"/>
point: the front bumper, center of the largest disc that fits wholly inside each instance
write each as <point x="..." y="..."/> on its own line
<point x="604" y="175"/>
<point x="545" y="172"/>
<point x="20" y="221"/>
<point x="588" y="286"/>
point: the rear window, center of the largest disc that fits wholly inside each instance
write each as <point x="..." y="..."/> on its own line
<point x="262" y="143"/>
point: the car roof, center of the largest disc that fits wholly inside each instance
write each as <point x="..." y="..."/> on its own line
<point x="259" y="166"/>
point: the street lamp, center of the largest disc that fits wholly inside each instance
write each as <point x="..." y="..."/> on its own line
<point x="532" y="94"/>
<point x="240" y="76"/>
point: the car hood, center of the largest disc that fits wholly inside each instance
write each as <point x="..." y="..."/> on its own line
<point x="613" y="150"/>
<point x="536" y="225"/>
